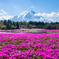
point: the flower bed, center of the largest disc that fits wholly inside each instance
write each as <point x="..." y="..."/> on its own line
<point x="29" y="46"/>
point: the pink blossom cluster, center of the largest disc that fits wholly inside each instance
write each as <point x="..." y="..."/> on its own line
<point x="29" y="46"/>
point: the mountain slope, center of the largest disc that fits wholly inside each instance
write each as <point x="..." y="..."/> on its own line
<point x="28" y="16"/>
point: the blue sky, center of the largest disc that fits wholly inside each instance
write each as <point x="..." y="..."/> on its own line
<point x="14" y="7"/>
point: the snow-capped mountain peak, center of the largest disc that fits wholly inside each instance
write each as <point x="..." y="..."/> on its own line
<point x="28" y="16"/>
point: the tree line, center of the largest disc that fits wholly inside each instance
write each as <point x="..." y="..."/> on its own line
<point x="8" y="24"/>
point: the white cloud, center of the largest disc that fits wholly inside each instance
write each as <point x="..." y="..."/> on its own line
<point x="53" y="14"/>
<point x="49" y="16"/>
<point x="4" y="15"/>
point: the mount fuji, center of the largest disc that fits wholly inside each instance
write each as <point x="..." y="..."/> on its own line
<point x="29" y="16"/>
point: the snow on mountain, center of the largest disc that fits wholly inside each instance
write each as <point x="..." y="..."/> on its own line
<point x="28" y="16"/>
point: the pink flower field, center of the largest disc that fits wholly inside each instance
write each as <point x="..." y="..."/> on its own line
<point x="29" y="46"/>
